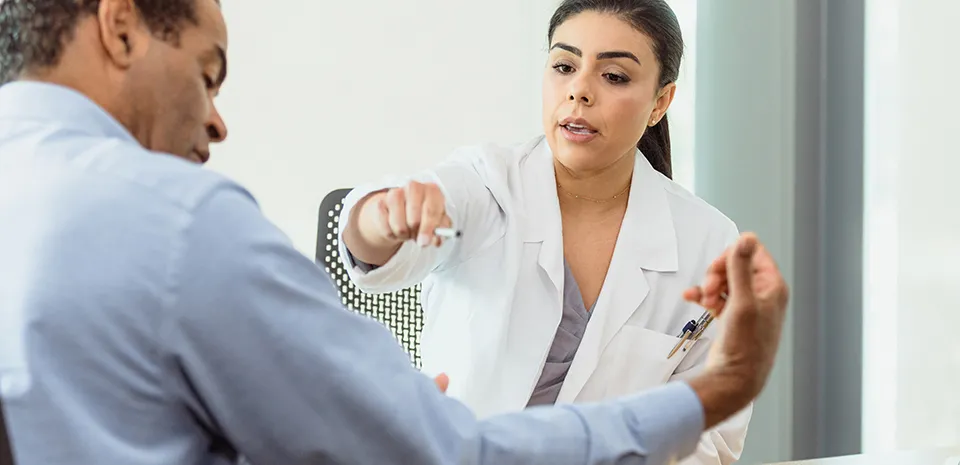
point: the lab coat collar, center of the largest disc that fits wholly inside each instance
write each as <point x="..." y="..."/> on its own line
<point x="647" y="242"/>
<point x="648" y="217"/>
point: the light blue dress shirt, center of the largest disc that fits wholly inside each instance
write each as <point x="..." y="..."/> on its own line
<point x="166" y="321"/>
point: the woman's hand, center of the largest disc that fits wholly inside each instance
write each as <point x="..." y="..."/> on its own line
<point x="384" y="220"/>
<point x="411" y="212"/>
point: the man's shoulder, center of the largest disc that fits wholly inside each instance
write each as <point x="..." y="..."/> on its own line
<point x="151" y="177"/>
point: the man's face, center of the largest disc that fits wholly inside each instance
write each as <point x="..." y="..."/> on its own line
<point x="173" y="84"/>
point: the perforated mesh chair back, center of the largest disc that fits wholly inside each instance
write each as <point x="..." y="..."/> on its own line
<point x="399" y="311"/>
<point x="6" y="452"/>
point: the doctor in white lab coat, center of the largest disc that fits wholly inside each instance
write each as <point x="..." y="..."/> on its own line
<point x="583" y="205"/>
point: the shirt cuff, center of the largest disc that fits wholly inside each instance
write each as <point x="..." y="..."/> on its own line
<point x="676" y="425"/>
<point x="362" y="266"/>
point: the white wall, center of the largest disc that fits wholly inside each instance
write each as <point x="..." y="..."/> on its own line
<point x="682" y="113"/>
<point x="324" y="95"/>
<point x="745" y="160"/>
<point x="912" y="226"/>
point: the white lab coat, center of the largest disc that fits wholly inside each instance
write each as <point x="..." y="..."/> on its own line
<point x="492" y="299"/>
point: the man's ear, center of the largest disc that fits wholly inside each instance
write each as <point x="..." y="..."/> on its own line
<point x="122" y="31"/>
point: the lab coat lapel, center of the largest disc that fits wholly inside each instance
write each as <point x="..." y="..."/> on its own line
<point x="647" y="243"/>
<point x="542" y="211"/>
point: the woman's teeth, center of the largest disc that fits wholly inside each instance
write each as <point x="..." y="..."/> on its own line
<point x="578" y="129"/>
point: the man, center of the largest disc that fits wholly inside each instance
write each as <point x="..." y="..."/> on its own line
<point x="165" y="321"/>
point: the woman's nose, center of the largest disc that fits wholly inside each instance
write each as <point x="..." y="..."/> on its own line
<point x="580" y="92"/>
<point x="583" y="98"/>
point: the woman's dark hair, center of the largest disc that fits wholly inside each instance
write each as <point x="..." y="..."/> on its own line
<point x="657" y="20"/>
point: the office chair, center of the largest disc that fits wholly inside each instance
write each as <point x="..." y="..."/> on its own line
<point x="6" y="451"/>
<point x="399" y="311"/>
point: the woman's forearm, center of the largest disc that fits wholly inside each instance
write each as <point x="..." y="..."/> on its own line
<point x="362" y="234"/>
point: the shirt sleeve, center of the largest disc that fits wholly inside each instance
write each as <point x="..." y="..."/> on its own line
<point x="265" y="358"/>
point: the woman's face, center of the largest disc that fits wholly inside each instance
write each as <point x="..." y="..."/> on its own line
<point x="600" y="91"/>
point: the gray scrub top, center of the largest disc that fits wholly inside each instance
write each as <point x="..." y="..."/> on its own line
<point x="565" y="343"/>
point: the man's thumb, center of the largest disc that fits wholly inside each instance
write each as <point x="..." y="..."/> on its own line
<point x="739" y="266"/>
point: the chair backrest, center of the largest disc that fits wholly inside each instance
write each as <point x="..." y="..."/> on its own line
<point x="6" y="451"/>
<point x="400" y="311"/>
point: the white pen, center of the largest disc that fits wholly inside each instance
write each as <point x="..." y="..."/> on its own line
<point x="447" y="233"/>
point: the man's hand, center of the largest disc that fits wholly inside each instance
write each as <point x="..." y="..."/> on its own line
<point x="741" y="358"/>
<point x="443" y="382"/>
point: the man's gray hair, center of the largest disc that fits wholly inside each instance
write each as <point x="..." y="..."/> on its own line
<point x="33" y="33"/>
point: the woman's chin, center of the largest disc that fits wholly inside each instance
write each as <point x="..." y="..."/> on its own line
<point x="579" y="161"/>
<point x="582" y="157"/>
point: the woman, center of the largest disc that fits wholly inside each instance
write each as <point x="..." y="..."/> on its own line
<point x="566" y="284"/>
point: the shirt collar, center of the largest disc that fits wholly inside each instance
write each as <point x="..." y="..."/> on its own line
<point x="45" y="102"/>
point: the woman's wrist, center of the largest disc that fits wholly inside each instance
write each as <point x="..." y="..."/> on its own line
<point x="362" y="236"/>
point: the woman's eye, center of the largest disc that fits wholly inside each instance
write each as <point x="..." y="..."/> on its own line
<point x="563" y="68"/>
<point x="616" y="78"/>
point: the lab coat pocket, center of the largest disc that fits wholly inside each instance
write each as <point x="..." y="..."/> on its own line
<point x="640" y="360"/>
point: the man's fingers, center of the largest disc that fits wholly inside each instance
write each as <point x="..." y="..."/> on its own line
<point x="443" y="382"/>
<point x="769" y="284"/>
<point x="740" y="266"/>
<point x="764" y="263"/>
<point x="714" y="300"/>
<point x="693" y="295"/>
<point x="716" y="274"/>
<point x="714" y="283"/>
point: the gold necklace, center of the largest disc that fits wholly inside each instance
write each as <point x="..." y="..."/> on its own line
<point x="580" y="197"/>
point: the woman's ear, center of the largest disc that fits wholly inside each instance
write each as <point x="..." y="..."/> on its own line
<point x="664" y="99"/>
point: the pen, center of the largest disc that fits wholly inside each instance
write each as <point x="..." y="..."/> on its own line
<point x="690" y="327"/>
<point x="700" y="330"/>
<point x="703" y="317"/>
<point x="686" y="335"/>
<point x="694" y="329"/>
<point x="688" y="330"/>
<point x="447" y="233"/>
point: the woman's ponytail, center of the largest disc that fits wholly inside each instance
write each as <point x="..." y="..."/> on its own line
<point x="655" y="145"/>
